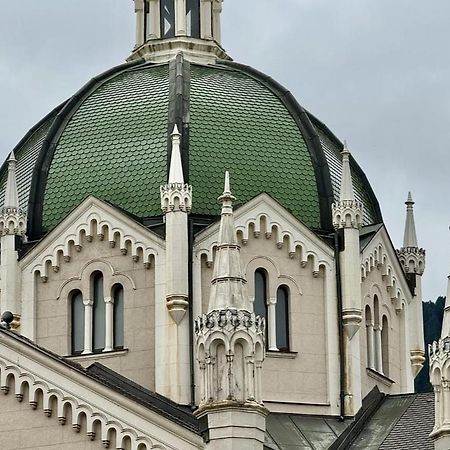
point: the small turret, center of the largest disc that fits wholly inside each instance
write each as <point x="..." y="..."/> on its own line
<point x="13" y="223"/>
<point x="230" y="349"/>
<point x="439" y="353"/>
<point x="412" y="258"/>
<point x="165" y="27"/>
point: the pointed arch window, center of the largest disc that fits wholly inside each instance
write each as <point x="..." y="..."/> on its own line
<point x="77" y="322"/>
<point x="260" y="305"/>
<point x="385" y="345"/>
<point x="99" y="331"/>
<point x="282" y="318"/>
<point x="167" y="18"/>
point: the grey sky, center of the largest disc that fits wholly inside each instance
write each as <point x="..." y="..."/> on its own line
<point x="377" y="72"/>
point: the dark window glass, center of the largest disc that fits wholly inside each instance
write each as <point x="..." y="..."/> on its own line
<point x="282" y="318"/>
<point x="193" y="18"/>
<point x="77" y="312"/>
<point x="260" y="304"/>
<point x="167" y="18"/>
<point x="99" y="312"/>
<point x="118" y="317"/>
<point x="385" y="345"/>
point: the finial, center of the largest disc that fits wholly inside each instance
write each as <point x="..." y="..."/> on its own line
<point x="11" y="196"/>
<point x="346" y="182"/>
<point x="176" y="166"/>
<point x="410" y="237"/>
<point x="227" y="197"/>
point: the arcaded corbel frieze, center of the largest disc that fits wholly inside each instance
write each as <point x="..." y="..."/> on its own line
<point x="287" y="233"/>
<point x="93" y="219"/>
<point x="99" y="404"/>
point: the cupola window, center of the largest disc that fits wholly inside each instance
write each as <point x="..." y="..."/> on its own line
<point x="99" y="312"/>
<point x="260" y="305"/>
<point x="167" y="18"/>
<point x="118" y="316"/>
<point x="193" y="18"/>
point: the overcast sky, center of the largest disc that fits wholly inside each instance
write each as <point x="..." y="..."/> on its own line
<point x="377" y="72"/>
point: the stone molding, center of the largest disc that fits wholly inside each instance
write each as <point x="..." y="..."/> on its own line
<point x="288" y="233"/>
<point x="176" y="197"/>
<point x="412" y="259"/>
<point x="347" y="214"/>
<point x="78" y="230"/>
<point x="12" y="221"/>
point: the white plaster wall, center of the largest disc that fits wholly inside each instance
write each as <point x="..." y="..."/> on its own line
<point x="300" y="380"/>
<point x="53" y="320"/>
<point x="24" y="428"/>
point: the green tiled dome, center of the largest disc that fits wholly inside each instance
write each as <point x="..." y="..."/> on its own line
<point x="111" y="140"/>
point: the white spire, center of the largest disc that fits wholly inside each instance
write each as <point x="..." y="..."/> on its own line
<point x="11" y="196"/>
<point x="228" y="286"/>
<point x="346" y="182"/>
<point x="176" y="166"/>
<point x="445" y="330"/>
<point x="410" y="238"/>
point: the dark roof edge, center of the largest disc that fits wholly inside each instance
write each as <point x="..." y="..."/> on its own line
<point x="112" y="380"/>
<point x="301" y="117"/>
<point x="354" y="165"/>
<point x="370" y="406"/>
<point x="42" y="166"/>
<point x="30" y="133"/>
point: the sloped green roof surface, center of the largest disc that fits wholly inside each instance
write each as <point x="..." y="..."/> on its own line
<point x="110" y="140"/>
<point x="114" y="147"/>
<point x="26" y="155"/>
<point x="237" y="124"/>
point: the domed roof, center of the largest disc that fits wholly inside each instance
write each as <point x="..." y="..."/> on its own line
<point x="110" y="140"/>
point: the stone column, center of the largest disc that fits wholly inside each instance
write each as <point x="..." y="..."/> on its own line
<point x="216" y="12"/>
<point x="88" y="316"/>
<point x="272" y="324"/>
<point x="109" y="324"/>
<point x="154" y="19"/>
<point x="378" y="349"/>
<point x="180" y="17"/>
<point x="206" y="19"/>
<point x="370" y="346"/>
<point x="437" y="407"/>
<point x="140" y="22"/>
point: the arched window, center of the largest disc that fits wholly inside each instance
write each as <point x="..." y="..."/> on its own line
<point x="77" y="322"/>
<point x="377" y="333"/>
<point x="167" y="18"/>
<point x="260" y="305"/>
<point x="282" y="318"/>
<point x="385" y="345"/>
<point x="99" y="311"/>
<point x="118" y="317"/>
<point x="193" y="18"/>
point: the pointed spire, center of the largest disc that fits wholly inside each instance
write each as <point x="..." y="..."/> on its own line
<point x="410" y="237"/>
<point x="228" y="286"/>
<point x="176" y="166"/>
<point x="346" y="182"/>
<point x="11" y="196"/>
<point x="445" y="331"/>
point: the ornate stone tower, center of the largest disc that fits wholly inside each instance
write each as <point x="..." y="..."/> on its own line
<point x="165" y="27"/>
<point x="413" y="261"/>
<point x="230" y="349"/>
<point x="12" y="226"/>
<point x="347" y="220"/>
<point x="440" y="379"/>
<point x="176" y="202"/>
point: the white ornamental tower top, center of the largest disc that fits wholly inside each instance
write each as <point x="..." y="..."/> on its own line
<point x="12" y="218"/>
<point x="347" y="212"/>
<point x="411" y="256"/>
<point x="166" y="27"/>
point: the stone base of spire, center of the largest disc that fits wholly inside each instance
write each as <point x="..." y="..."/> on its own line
<point x="229" y="425"/>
